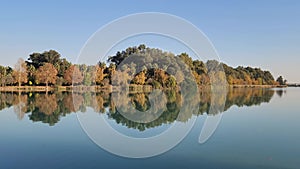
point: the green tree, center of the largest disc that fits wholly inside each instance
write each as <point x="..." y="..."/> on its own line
<point x="100" y="75"/>
<point x="62" y="65"/>
<point x="171" y="82"/>
<point x="3" y="75"/>
<point x="281" y="81"/>
<point x="186" y="59"/>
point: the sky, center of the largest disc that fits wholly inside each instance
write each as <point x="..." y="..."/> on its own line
<point x="256" y="33"/>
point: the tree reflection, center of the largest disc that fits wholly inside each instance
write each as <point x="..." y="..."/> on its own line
<point x="20" y="105"/>
<point x="51" y="107"/>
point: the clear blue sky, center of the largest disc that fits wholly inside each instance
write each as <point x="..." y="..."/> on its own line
<point x="261" y="33"/>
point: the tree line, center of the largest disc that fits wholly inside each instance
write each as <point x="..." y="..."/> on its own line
<point x="49" y="69"/>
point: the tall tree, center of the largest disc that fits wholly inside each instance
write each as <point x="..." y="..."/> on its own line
<point x="3" y="74"/>
<point x="100" y="75"/>
<point x="31" y="72"/>
<point x="20" y="72"/>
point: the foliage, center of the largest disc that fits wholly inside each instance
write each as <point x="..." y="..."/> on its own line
<point x="281" y="81"/>
<point x="46" y="74"/>
<point x="73" y="75"/>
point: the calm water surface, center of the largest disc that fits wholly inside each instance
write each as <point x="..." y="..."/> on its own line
<point x="259" y="129"/>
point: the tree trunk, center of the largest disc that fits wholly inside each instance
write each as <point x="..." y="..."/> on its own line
<point x="19" y="80"/>
<point x="46" y="88"/>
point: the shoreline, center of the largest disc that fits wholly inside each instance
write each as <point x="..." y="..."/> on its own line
<point x="54" y="88"/>
<point x="109" y="88"/>
<point x="258" y="86"/>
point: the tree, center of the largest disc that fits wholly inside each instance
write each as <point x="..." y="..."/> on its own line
<point x="142" y="47"/>
<point x="139" y="79"/>
<point x="36" y="60"/>
<point x="3" y="74"/>
<point x="171" y="82"/>
<point x="186" y="59"/>
<point x="52" y="57"/>
<point x="199" y="67"/>
<point x="31" y="72"/>
<point x="120" y="56"/>
<point x="73" y="75"/>
<point x="39" y="59"/>
<point x="281" y="81"/>
<point x="99" y="74"/>
<point x="160" y="76"/>
<point x="9" y="80"/>
<point x="20" y="72"/>
<point x="46" y="74"/>
<point x="62" y="66"/>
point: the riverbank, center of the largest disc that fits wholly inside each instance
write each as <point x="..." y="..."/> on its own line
<point x="258" y="86"/>
<point x="110" y="88"/>
<point x="55" y="88"/>
<point x="294" y="85"/>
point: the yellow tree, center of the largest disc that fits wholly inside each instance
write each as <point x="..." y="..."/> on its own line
<point x="20" y="72"/>
<point x="140" y="78"/>
<point x="99" y="74"/>
<point x="230" y="80"/>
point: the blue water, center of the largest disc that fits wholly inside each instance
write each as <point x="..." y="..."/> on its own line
<point x="262" y="136"/>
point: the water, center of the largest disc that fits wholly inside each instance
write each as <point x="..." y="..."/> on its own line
<point x="259" y="129"/>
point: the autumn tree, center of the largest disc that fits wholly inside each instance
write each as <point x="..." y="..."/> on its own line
<point x="37" y="60"/>
<point x="73" y="75"/>
<point x="160" y="76"/>
<point x="139" y="79"/>
<point x="186" y="59"/>
<point x="46" y="74"/>
<point x="100" y="75"/>
<point x="20" y="72"/>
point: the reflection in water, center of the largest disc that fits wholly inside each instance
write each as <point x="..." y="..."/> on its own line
<point x="50" y="107"/>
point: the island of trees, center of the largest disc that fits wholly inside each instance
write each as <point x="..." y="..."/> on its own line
<point x="50" y="70"/>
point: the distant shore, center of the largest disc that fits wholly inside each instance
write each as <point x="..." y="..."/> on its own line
<point x="258" y="86"/>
